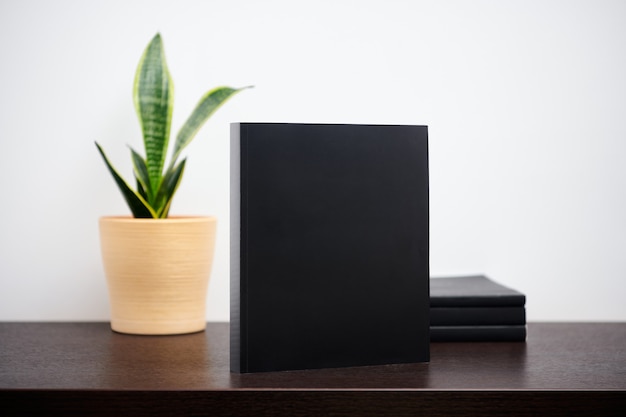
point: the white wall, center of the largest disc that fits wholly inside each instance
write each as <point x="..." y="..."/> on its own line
<point x="525" y="101"/>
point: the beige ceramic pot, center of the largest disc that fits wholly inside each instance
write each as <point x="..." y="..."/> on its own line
<point x="157" y="272"/>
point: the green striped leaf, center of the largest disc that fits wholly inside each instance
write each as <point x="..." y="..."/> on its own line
<point x="207" y="105"/>
<point x="138" y="205"/>
<point x="143" y="178"/>
<point x="170" y="184"/>
<point x="153" y="94"/>
<point x="142" y="192"/>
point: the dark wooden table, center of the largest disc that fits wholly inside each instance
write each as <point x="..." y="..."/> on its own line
<point x="86" y="369"/>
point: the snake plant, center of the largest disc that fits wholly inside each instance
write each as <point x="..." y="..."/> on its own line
<point x="153" y="94"/>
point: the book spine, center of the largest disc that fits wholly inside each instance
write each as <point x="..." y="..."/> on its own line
<point x="477" y="333"/>
<point x="476" y="316"/>
<point x="238" y="323"/>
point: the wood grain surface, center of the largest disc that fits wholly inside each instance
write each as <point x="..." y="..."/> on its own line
<point x="85" y="368"/>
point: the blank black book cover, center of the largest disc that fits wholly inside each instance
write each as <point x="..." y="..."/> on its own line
<point x="329" y="246"/>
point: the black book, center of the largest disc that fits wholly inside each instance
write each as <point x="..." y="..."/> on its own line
<point x="477" y="316"/>
<point x="473" y="291"/>
<point x="514" y="333"/>
<point x="329" y="246"/>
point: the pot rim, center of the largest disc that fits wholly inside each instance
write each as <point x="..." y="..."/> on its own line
<point x="170" y="219"/>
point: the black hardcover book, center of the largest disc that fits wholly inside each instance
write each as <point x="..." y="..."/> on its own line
<point x="329" y="246"/>
<point x="476" y="316"/>
<point x="473" y="291"/>
<point x="515" y="333"/>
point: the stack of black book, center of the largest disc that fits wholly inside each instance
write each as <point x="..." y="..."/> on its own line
<point x="475" y="309"/>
